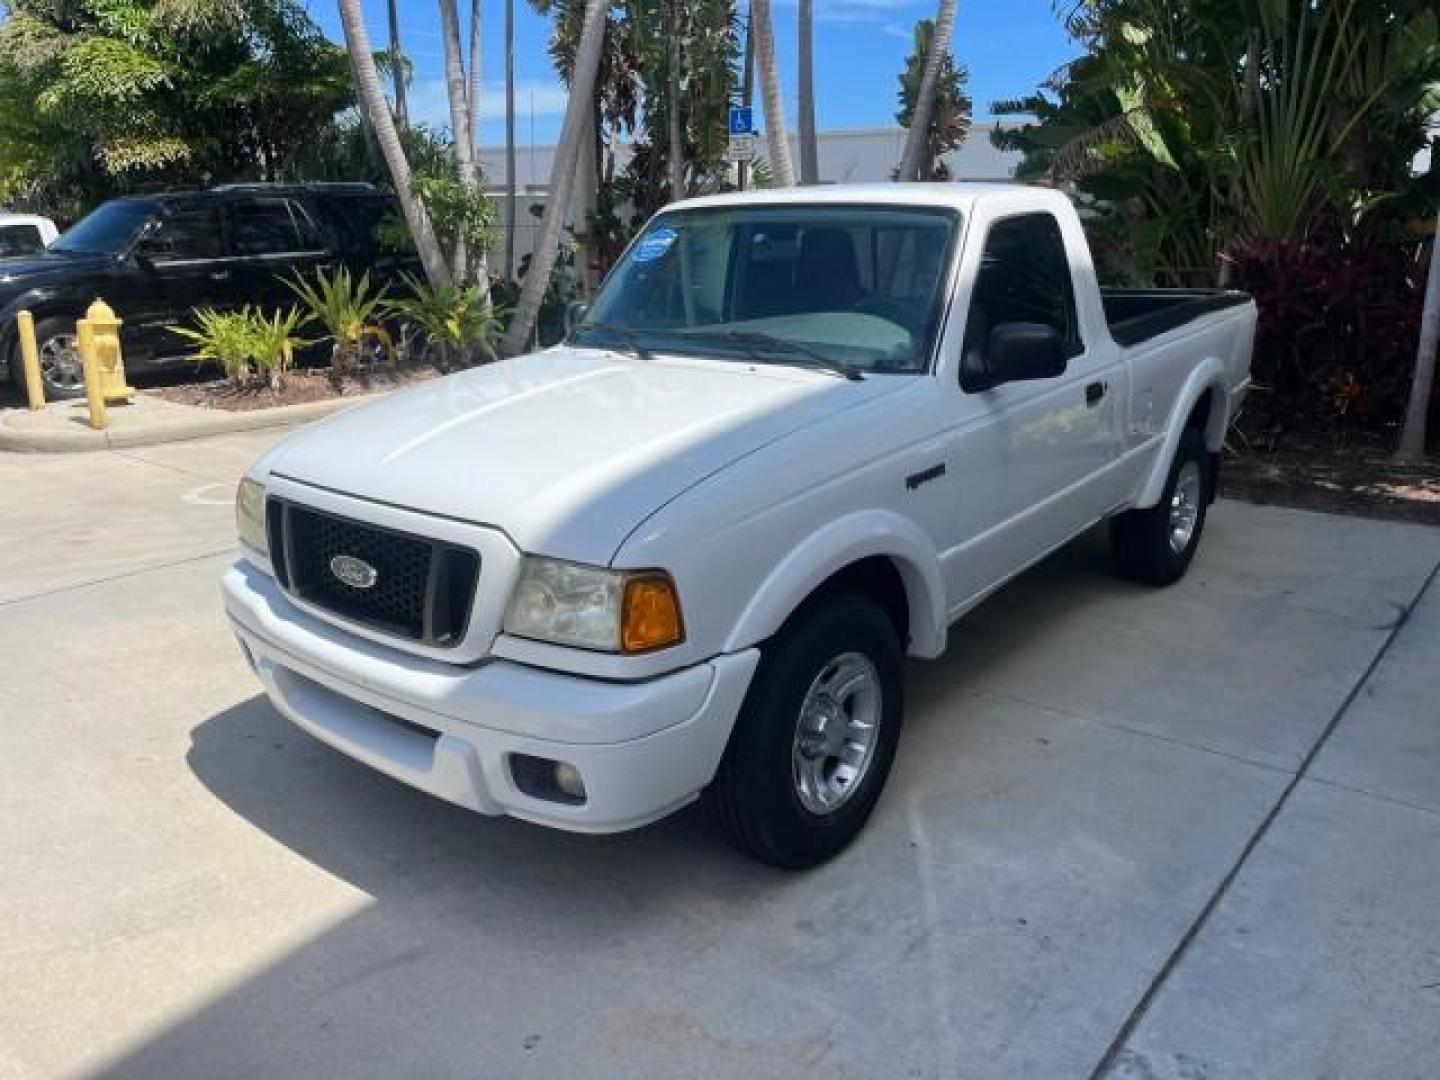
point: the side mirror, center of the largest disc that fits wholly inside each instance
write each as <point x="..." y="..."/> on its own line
<point x="574" y="311"/>
<point x="1015" y="352"/>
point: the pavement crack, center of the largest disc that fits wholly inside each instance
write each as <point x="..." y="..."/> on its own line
<point x="1115" y="1050"/>
<point x="91" y="582"/>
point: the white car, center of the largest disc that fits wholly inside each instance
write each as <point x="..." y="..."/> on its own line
<point x="797" y="436"/>
<point x="25" y="234"/>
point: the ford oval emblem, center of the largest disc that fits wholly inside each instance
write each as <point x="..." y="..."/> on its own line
<point x="357" y="573"/>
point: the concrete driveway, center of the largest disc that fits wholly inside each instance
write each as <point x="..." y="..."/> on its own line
<point x="1191" y="833"/>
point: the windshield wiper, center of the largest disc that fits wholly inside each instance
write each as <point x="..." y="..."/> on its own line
<point x="756" y="341"/>
<point x="624" y="333"/>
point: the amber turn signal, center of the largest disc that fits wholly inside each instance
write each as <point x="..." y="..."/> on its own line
<point x="650" y="614"/>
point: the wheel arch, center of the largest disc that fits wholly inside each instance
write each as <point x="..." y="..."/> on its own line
<point x="876" y="553"/>
<point x="1203" y="404"/>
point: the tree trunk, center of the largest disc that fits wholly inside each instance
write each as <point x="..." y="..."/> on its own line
<point x="472" y="96"/>
<point x="458" y="91"/>
<point x="472" y="111"/>
<point x="397" y="64"/>
<point x="775" y="138"/>
<point x="918" y="137"/>
<point x="562" y="177"/>
<point x="1422" y="384"/>
<point x="509" y="140"/>
<point x="672" y="91"/>
<point x="809" y="148"/>
<point x="377" y="112"/>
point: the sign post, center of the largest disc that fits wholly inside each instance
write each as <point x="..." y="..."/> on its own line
<point x="741" y="149"/>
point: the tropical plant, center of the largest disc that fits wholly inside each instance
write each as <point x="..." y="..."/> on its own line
<point x="918" y="136"/>
<point x="578" y="122"/>
<point x="376" y="111"/>
<point x="98" y="97"/>
<point x="950" y="114"/>
<point x="349" y="309"/>
<point x="460" y="325"/>
<point x="246" y="343"/>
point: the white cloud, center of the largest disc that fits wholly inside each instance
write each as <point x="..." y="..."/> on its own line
<point x="430" y="104"/>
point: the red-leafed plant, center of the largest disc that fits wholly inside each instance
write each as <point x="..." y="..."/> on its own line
<point x="1336" y="337"/>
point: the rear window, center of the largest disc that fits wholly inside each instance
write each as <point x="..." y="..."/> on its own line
<point x="20" y="240"/>
<point x="271" y="227"/>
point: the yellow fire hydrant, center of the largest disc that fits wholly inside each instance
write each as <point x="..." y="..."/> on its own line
<point x="98" y="339"/>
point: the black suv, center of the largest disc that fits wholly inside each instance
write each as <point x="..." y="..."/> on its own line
<point x="154" y="258"/>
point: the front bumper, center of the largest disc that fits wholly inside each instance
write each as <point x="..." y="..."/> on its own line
<point x="643" y="749"/>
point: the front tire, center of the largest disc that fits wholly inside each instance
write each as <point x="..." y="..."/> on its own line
<point x="1155" y="546"/>
<point x="816" y="737"/>
<point x="61" y="372"/>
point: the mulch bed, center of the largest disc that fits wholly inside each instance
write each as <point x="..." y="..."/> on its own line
<point x="1362" y="480"/>
<point x="297" y="388"/>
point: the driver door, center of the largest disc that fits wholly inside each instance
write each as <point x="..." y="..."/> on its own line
<point x="1035" y="454"/>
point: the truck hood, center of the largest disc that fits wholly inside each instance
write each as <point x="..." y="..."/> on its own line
<point x="566" y="450"/>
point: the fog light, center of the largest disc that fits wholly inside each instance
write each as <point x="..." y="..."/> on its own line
<point x="567" y="779"/>
<point x="542" y="778"/>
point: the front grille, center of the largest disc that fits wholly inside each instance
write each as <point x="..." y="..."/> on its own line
<point x="420" y="589"/>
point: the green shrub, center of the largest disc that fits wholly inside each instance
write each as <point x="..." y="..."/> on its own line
<point x="459" y="327"/>
<point x="349" y="309"/>
<point x="245" y="343"/>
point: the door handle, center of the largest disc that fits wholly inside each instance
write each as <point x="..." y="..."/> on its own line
<point x="219" y="275"/>
<point x="1094" y="392"/>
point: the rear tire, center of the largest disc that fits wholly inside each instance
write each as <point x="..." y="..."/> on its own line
<point x="1155" y="546"/>
<point x="815" y="739"/>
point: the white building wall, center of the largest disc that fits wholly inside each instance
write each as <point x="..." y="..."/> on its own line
<point x="861" y="155"/>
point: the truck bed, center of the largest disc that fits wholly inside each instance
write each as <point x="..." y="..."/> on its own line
<point x="1137" y="315"/>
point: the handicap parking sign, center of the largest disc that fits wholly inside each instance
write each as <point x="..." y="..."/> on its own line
<point x="741" y="121"/>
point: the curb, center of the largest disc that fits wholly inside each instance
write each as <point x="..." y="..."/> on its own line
<point x="206" y="422"/>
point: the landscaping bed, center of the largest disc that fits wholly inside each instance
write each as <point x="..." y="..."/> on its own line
<point x="1362" y="480"/>
<point x="297" y="388"/>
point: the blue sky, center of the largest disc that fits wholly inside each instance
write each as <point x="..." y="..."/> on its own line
<point x="1010" y="46"/>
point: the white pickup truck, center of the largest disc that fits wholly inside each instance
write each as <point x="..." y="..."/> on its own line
<point x="798" y="435"/>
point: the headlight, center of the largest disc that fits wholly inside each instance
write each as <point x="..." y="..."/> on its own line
<point x="250" y="515"/>
<point x="590" y="607"/>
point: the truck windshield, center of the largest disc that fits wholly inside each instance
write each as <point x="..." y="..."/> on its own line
<point x="106" y="230"/>
<point x="856" y="286"/>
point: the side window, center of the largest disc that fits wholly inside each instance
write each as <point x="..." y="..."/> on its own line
<point x="20" y="240"/>
<point x="1024" y="277"/>
<point x="265" y="227"/>
<point x="183" y="234"/>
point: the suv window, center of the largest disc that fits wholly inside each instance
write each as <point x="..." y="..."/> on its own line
<point x="271" y="227"/>
<point x="190" y="232"/>
<point x="1024" y="277"/>
<point x="20" y="240"/>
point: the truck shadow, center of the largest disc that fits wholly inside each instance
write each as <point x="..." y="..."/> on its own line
<point x="480" y="933"/>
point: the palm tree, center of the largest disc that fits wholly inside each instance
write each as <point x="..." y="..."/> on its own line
<point x="579" y="118"/>
<point x="672" y="88"/>
<point x="809" y="148"/>
<point x="509" y="140"/>
<point x="461" y="127"/>
<point x="377" y="113"/>
<point x="925" y="101"/>
<point x="1422" y="383"/>
<point x="397" y="64"/>
<point x="780" y="168"/>
<point x="472" y="98"/>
